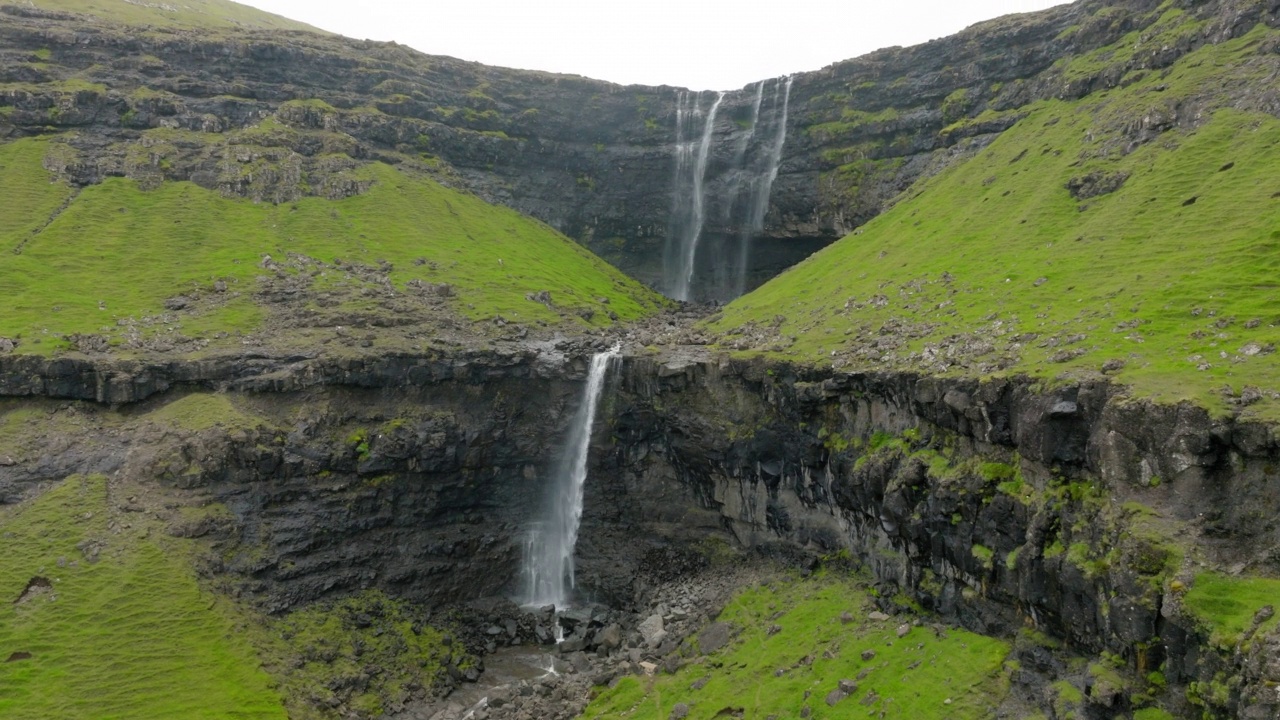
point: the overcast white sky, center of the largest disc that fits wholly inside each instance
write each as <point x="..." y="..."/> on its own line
<point x="700" y="44"/>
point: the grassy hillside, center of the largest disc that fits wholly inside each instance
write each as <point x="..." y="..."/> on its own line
<point x="187" y="14"/>
<point x="1136" y="230"/>
<point x="791" y="649"/>
<point x="106" y="258"/>
<point x="104" y="623"/>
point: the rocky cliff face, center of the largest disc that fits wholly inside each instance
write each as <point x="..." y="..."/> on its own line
<point x="278" y="115"/>
<point x="1000" y="505"/>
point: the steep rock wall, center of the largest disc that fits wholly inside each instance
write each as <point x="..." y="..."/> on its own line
<point x="279" y="115"/>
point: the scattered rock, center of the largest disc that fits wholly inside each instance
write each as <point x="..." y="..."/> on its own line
<point x="680" y="711"/>
<point x="19" y="656"/>
<point x="1096" y="184"/>
<point x="868" y="654"/>
<point x="903" y="629"/>
<point x="178" y="302"/>
<point x="716" y="636"/>
<point x="7" y="345"/>
<point x="652" y="630"/>
<point x="610" y="638"/>
<point x="878" y="616"/>
<point x="36" y="587"/>
<point x="846" y="617"/>
<point x="1113" y="366"/>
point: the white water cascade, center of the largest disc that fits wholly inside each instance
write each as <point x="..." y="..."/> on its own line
<point x="690" y="231"/>
<point x="720" y="200"/>
<point x="547" y="572"/>
<point x="758" y="203"/>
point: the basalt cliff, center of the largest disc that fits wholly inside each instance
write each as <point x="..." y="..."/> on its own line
<point x="282" y="373"/>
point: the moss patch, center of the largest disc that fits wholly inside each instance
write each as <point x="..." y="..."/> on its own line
<point x="121" y="630"/>
<point x="790" y="641"/>
<point x="1228" y="605"/>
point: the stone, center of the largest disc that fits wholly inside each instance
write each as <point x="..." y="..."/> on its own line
<point x="652" y="630"/>
<point x="846" y="617"/>
<point x="715" y="637"/>
<point x="868" y="654"/>
<point x="648" y="668"/>
<point x="903" y="629"/>
<point x="7" y="345"/>
<point x="680" y="711"/>
<point x="835" y="696"/>
<point x="878" y="616"/>
<point x="610" y="638"/>
<point x="849" y="687"/>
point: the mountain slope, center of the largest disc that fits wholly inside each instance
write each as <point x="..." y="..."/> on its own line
<point x="180" y="267"/>
<point x="189" y="14"/>
<point x="1136" y="232"/>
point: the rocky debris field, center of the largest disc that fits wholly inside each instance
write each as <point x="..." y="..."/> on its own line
<point x="599" y="646"/>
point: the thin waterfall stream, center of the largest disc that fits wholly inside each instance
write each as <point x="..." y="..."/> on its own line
<point x="721" y="194"/>
<point x="547" y="573"/>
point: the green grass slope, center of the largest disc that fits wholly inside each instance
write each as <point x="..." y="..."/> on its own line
<point x="995" y="266"/>
<point x="763" y="673"/>
<point x="123" y="630"/>
<point x="187" y="14"/>
<point x="105" y="259"/>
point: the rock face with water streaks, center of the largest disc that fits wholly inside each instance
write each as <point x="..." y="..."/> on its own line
<point x="279" y="115"/>
<point x="956" y="495"/>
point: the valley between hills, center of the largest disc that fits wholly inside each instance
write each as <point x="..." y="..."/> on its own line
<point x="338" y="380"/>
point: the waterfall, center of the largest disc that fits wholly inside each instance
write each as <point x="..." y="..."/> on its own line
<point x="691" y="232"/>
<point x="736" y="193"/>
<point x="547" y="573"/>
<point x="758" y="204"/>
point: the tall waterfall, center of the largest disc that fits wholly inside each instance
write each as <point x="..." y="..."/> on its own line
<point x="758" y="203"/>
<point x="547" y="572"/>
<point x="728" y="192"/>
<point x="690" y="230"/>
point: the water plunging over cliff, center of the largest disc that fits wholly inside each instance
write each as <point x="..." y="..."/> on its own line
<point x="547" y="572"/>
<point x="732" y="195"/>
<point x="689" y="218"/>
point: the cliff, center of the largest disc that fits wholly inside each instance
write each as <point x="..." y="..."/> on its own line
<point x="278" y="115"/>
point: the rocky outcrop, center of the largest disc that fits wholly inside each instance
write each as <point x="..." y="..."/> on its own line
<point x="998" y="504"/>
<point x="278" y="115"/>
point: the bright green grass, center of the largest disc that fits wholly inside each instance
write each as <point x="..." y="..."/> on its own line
<point x="963" y="667"/>
<point x="201" y="411"/>
<point x="130" y="249"/>
<point x="187" y="14"/>
<point x="1025" y="257"/>
<point x="130" y="636"/>
<point x="1228" y="604"/>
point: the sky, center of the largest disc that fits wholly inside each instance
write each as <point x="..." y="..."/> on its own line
<point x="698" y="44"/>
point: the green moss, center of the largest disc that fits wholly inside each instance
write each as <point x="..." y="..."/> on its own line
<point x="764" y="674"/>
<point x="125" y="634"/>
<point x="1152" y="714"/>
<point x="200" y="411"/>
<point x="204" y="14"/>
<point x="984" y="555"/>
<point x="1227" y="605"/>
<point x="334" y="644"/>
